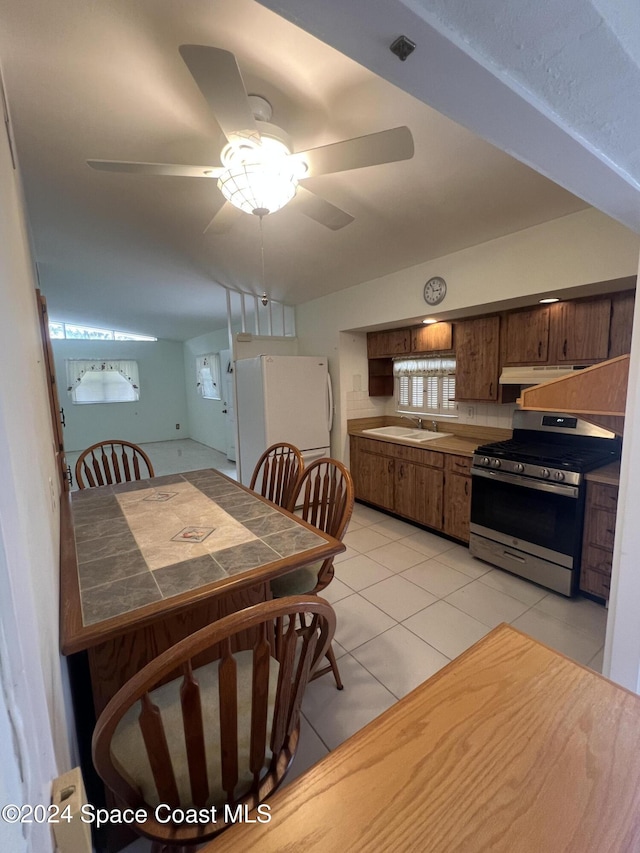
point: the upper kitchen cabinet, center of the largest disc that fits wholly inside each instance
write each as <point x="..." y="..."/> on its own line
<point x="477" y="348"/>
<point x="581" y="330"/>
<point x="621" y="323"/>
<point x="388" y="343"/>
<point x="526" y="336"/>
<point x="436" y="337"/>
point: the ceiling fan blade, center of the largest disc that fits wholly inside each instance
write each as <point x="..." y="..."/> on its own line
<point x="320" y="209"/>
<point x="387" y="146"/>
<point x="171" y="169"/>
<point x="218" y="77"/>
<point x="224" y="219"/>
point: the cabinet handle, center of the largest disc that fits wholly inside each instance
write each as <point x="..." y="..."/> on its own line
<point x="539" y="349"/>
<point x="491" y="389"/>
<point x="466" y="487"/>
<point x="62" y="418"/>
<point x="564" y="347"/>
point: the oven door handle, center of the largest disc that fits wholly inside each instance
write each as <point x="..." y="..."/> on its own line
<point x="527" y="482"/>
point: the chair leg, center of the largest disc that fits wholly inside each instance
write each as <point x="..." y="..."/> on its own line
<point x="333" y="667"/>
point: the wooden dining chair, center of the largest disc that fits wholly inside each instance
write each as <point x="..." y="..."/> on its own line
<point x="112" y="461"/>
<point x="276" y="472"/>
<point x="216" y="736"/>
<point x="322" y="496"/>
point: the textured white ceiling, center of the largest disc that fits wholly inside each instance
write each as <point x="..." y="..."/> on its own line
<point x="105" y="81"/>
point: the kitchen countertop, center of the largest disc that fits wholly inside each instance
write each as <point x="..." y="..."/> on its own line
<point x="609" y="474"/>
<point x="461" y="443"/>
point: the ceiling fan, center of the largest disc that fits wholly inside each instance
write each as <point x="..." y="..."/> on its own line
<point x="259" y="172"/>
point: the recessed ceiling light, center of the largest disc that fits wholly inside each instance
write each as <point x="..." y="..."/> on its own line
<point x="549" y="299"/>
<point x="429" y="321"/>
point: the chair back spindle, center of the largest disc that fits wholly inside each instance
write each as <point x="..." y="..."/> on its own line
<point x="110" y="462"/>
<point x="276" y="472"/>
<point x="240" y="716"/>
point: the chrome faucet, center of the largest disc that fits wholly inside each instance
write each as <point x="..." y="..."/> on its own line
<point x="414" y="420"/>
<point x="434" y="425"/>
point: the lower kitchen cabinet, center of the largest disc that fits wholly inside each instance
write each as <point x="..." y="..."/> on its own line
<point x="372" y="473"/>
<point x="429" y="487"/>
<point x="597" y="543"/>
<point x="418" y="493"/>
<point x="457" y="496"/>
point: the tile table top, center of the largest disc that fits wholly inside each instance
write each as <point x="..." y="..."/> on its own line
<point x="147" y="541"/>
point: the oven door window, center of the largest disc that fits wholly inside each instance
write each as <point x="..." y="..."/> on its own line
<point x="547" y="519"/>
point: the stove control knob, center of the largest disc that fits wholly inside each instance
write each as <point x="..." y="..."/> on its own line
<point x="496" y="463"/>
<point x="485" y="461"/>
<point x="518" y="467"/>
<point x="545" y="473"/>
<point x="558" y="475"/>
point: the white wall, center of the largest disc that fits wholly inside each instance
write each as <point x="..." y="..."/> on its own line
<point x="622" y="646"/>
<point x="161" y="406"/>
<point x="34" y="722"/>
<point x="206" y="418"/>
<point x="565" y="253"/>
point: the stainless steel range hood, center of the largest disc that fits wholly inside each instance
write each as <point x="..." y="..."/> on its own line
<point x="535" y="374"/>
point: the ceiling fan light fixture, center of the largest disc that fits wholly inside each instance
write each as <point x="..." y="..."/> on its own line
<point x="258" y="177"/>
<point x="257" y="188"/>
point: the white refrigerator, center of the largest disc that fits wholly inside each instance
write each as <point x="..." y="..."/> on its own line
<point x="282" y="398"/>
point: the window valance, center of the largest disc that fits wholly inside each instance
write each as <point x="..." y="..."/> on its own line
<point x="78" y="367"/>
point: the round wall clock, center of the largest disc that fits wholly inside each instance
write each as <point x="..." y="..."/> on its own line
<point x="435" y="290"/>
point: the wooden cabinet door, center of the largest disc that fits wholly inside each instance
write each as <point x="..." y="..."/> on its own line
<point x="581" y="330"/>
<point x="457" y="497"/>
<point x="477" y="355"/>
<point x="373" y="478"/>
<point x="437" y="337"/>
<point x="527" y="337"/>
<point x="598" y="539"/>
<point x="622" y="305"/>
<point x="418" y="493"/>
<point x="389" y="342"/>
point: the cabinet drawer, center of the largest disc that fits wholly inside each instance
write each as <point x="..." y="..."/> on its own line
<point x="372" y="445"/>
<point x="595" y="583"/>
<point x="458" y="464"/>
<point x="602" y="528"/>
<point x="602" y="496"/>
<point x="417" y="454"/>
<point x="597" y="559"/>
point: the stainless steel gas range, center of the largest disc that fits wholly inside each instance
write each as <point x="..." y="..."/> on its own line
<point x="527" y="499"/>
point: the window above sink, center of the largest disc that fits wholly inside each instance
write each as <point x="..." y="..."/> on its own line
<point x="425" y="386"/>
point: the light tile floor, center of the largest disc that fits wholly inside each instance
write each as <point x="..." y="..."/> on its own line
<point x="407" y="602"/>
<point x="174" y="457"/>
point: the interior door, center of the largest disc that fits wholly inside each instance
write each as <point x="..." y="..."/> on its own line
<point x="227" y="383"/>
<point x="57" y="413"/>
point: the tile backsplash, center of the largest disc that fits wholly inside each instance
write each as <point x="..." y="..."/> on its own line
<point x="361" y="405"/>
<point x="486" y="414"/>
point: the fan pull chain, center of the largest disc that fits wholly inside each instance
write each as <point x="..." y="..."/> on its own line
<point x="264" y="299"/>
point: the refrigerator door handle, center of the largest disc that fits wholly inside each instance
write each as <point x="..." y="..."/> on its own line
<point x="330" y="403"/>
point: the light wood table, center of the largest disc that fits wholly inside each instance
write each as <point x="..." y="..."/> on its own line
<point x="511" y="748"/>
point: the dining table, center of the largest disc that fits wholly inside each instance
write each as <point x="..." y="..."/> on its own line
<point x="145" y="563"/>
<point x="510" y="748"/>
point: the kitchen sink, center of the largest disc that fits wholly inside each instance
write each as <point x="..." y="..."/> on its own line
<point x="417" y="436"/>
